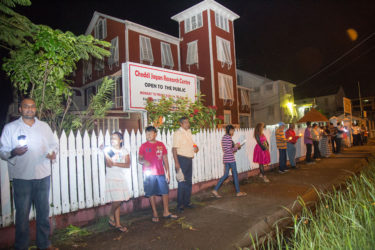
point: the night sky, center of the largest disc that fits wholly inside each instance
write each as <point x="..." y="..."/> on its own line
<point x="282" y="40"/>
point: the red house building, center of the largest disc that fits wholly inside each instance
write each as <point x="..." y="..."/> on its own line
<point x="205" y="48"/>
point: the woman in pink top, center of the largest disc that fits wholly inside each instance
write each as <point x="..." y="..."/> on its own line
<point x="261" y="151"/>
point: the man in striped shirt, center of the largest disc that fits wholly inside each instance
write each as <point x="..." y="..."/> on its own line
<point x="281" y="145"/>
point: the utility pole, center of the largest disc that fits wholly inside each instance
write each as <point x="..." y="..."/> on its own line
<point x="360" y="100"/>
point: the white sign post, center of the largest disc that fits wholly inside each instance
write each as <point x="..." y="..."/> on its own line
<point x="141" y="82"/>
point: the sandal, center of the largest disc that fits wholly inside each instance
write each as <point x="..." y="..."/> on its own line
<point x="122" y="229"/>
<point x="155" y="219"/>
<point x="239" y="194"/>
<point x="216" y="194"/>
<point x="171" y="216"/>
<point x="111" y="222"/>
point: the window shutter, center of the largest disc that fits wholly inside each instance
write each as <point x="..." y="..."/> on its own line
<point x="228" y="58"/>
<point x="200" y="20"/>
<point x="193" y="22"/>
<point x="187" y="25"/>
<point x="163" y="55"/>
<point x="169" y="56"/>
<point x="149" y="51"/>
<point x="104" y="24"/>
<point x="192" y="53"/>
<point x="116" y="54"/>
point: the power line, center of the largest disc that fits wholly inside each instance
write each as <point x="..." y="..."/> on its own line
<point x="338" y="59"/>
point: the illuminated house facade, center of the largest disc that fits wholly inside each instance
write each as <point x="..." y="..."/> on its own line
<point x="205" y="48"/>
<point x="271" y="101"/>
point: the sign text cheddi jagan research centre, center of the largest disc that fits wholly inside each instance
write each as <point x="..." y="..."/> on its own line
<point x="143" y="81"/>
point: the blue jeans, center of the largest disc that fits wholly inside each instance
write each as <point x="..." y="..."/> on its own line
<point x="291" y="150"/>
<point x="184" y="187"/>
<point x="233" y="166"/>
<point x="282" y="159"/>
<point x="27" y="192"/>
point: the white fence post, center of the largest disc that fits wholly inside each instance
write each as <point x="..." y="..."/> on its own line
<point x="72" y="172"/>
<point x="64" y="181"/>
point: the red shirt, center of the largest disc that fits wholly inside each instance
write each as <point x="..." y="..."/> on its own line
<point x="290" y="133"/>
<point x="153" y="153"/>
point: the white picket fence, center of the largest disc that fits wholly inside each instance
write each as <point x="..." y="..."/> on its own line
<point x="78" y="175"/>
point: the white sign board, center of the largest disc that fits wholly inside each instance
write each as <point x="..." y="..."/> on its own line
<point x="141" y="82"/>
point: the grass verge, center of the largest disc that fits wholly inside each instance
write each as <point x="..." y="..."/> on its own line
<point x="343" y="219"/>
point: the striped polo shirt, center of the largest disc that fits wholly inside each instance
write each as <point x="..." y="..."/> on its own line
<point x="280" y="139"/>
<point x="228" y="149"/>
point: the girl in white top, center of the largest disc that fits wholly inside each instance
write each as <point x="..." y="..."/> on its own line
<point x="117" y="161"/>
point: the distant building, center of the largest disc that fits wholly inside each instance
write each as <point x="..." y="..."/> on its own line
<point x="271" y="101"/>
<point x="328" y="100"/>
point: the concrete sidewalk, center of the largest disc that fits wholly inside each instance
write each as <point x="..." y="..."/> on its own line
<point x="224" y="223"/>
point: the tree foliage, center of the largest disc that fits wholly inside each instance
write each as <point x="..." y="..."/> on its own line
<point x="166" y="113"/>
<point x="41" y="60"/>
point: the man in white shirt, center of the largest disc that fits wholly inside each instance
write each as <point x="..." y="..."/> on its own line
<point x="29" y="146"/>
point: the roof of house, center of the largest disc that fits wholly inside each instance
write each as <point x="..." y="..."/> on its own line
<point x="205" y="5"/>
<point x="313" y="116"/>
<point x="134" y="26"/>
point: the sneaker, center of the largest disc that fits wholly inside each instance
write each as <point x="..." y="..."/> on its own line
<point x="265" y="179"/>
<point x="317" y="159"/>
<point x="310" y="162"/>
<point x="282" y="171"/>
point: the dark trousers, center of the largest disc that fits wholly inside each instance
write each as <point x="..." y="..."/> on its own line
<point x="26" y="193"/>
<point x="308" y="152"/>
<point x="282" y="159"/>
<point x="338" y="144"/>
<point x="316" y="150"/>
<point x="184" y="187"/>
<point x="333" y="142"/>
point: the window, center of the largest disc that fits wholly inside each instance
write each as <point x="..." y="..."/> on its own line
<point x="221" y="22"/>
<point x="166" y="55"/>
<point x="145" y="49"/>
<point x="269" y="87"/>
<point x="193" y="22"/>
<point x="192" y="54"/>
<point x="100" y="31"/>
<point x="256" y="89"/>
<point x="89" y="93"/>
<point x="226" y="88"/>
<point x="99" y="66"/>
<point x="87" y="71"/>
<point x="117" y="93"/>
<point x="114" y="57"/>
<point x="326" y="101"/>
<point x="245" y="98"/>
<point x="223" y="52"/>
<point x="227" y="117"/>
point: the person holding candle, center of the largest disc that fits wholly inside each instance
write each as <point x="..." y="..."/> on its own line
<point x="153" y="156"/>
<point x="261" y="153"/>
<point x="229" y="148"/>
<point x="290" y="135"/>
<point x="183" y="150"/>
<point x="281" y="145"/>
<point x="117" y="168"/>
<point x="315" y="135"/>
<point x="30" y="147"/>
<point x="308" y="142"/>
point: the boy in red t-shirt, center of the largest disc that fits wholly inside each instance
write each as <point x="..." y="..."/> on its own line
<point x="152" y="155"/>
